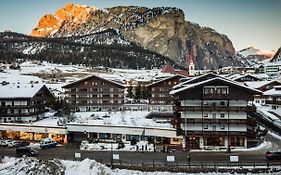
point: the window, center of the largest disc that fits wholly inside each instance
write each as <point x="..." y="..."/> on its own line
<point x="224" y="91"/>
<point x="206" y="127"/>
<point x="222" y="103"/>
<point x="222" y="127"/>
<point x="222" y="115"/>
<point x="206" y="91"/>
<point x="205" y="115"/>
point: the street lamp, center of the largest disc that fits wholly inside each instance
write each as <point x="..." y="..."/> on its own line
<point x="185" y="131"/>
<point x="111" y="160"/>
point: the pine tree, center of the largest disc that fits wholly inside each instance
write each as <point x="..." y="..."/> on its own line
<point x="138" y="92"/>
<point x="130" y="92"/>
<point x="144" y="92"/>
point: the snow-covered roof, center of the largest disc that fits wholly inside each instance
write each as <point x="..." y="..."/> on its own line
<point x="188" y="81"/>
<point x="165" y="79"/>
<point x="238" y="76"/>
<point x="257" y="84"/>
<point x="18" y="90"/>
<point x="188" y="86"/>
<point x="92" y="76"/>
<point x="276" y="91"/>
<point x="125" y="118"/>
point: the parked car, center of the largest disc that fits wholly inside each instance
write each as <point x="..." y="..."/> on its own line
<point x="28" y="151"/>
<point x="5" y="142"/>
<point x="48" y="143"/>
<point x="13" y="144"/>
<point x="273" y="155"/>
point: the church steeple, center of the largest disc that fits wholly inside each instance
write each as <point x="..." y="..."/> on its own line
<point x="191" y="66"/>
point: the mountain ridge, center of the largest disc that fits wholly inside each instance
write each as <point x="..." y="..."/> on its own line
<point x="91" y="50"/>
<point x="163" y="30"/>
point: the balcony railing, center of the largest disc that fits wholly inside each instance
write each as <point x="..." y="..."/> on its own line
<point x="23" y="114"/>
<point x="276" y="102"/>
<point x="217" y="133"/>
<point x="23" y="106"/>
<point x="216" y="108"/>
<point x="216" y="96"/>
<point x="218" y="121"/>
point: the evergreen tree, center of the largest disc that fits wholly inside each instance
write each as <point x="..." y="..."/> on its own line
<point x="130" y="92"/>
<point x="144" y="92"/>
<point x="138" y="92"/>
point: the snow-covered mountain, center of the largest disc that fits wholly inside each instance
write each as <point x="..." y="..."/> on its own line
<point x="252" y="51"/>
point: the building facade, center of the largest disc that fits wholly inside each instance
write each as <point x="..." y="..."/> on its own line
<point x="95" y="94"/>
<point x="159" y="92"/>
<point x="23" y="103"/>
<point x="273" y="99"/>
<point x="214" y="113"/>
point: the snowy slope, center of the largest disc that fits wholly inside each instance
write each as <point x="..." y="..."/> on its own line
<point x="254" y="51"/>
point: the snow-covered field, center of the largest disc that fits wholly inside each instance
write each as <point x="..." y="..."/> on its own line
<point x="44" y="67"/>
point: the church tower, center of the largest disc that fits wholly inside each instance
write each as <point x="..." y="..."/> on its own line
<point x="191" y="66"/>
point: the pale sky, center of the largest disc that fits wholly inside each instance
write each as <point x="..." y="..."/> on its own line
<point x="246" y="22"/>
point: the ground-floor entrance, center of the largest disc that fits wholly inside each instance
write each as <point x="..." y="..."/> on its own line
<point x="21" y="135"/>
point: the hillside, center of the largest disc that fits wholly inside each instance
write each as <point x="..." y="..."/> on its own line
<point x="162" y="30"/>
<point x="105" y="48"/>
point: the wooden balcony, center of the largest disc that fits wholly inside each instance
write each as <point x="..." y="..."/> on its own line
<point x="216" y="96"/>
<point x="275" y="102"/>
<point x="23" y="114"/>
<point x="215" y="133"/>
<point x="216" y="108"/>
<point x="216" y="121"/>
<point x="95" y="104"/>
<point x="22" y="106"/>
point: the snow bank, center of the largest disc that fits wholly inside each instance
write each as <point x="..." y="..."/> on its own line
<point x="263" y="146"/>
<point x="33" y="166"/>
<point x="142" y="145"/>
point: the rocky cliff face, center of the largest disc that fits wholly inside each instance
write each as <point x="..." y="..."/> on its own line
<point x="163" y="30"/>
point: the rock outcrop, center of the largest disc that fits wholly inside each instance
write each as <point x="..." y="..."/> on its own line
<point x="163" y="30"/>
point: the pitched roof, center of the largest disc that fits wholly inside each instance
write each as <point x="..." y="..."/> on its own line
<point x="258" y="84"/>
<point x="168" y="69"/>
<point x="276" y="91"/>
<point x="196" y="79"/>
<point x="182" y="72"/>
<point x="165" y="79"/>
<point x="189" y="86"/>
<point x="15" y="90"/>
<point x="90" y="77"/>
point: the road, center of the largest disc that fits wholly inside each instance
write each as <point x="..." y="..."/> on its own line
<point x="67" y="153"/>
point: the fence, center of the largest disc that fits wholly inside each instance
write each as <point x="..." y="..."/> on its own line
<point x="197" y="166"/>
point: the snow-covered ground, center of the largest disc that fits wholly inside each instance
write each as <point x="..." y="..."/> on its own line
<point x="127" y="118"/>
<point x="140" y="146"/>
<point x="33" y="166"/>
<point x="29" y="67"/>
